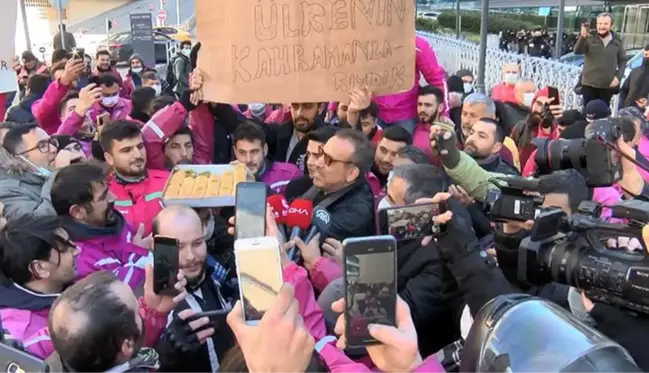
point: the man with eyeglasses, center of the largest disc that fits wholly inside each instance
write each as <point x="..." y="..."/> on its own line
<point x="38" y="260"/>
<point x="27" y="159"/>
<point x="339" y="174"/>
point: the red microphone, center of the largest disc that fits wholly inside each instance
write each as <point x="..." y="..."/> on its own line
<point x="280" y="210"/>
<point x="299" y="217"/>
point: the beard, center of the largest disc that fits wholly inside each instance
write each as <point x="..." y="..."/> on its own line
<point x="302" y="125"/>
<point x="194" y="282"/>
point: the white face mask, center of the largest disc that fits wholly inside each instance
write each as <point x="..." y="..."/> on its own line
<point x="157" y="88"/>
<point x="186" y="52"/>
<point x="468" y="87"/>
<point x="109" y="101"/>
<point x="511" y="78"/>
<point x="527" y="99"/>
<point x="136" y="70"/>
<point x="384" y="204"/>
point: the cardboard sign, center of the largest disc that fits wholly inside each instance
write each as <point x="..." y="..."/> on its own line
<point x="8" y="79"/>
<point x="281" y="51"/>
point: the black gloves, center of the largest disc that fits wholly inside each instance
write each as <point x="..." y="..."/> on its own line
<point x="446" y="144"/>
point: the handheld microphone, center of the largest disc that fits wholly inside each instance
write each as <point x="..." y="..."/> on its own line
<point x="280" y="210"/>
<point x="319" y="224"/>
<point x="298" y="219"/>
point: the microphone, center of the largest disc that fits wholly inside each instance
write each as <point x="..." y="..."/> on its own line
<point x="280" y="210"/>
<point x="299" y="217"/>
<point x="319" y="224"/>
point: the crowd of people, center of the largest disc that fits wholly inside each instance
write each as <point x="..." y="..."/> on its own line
<point x="87" y="151"/>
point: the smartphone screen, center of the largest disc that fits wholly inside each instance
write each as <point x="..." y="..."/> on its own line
<point x="165" y="264"/>
<point x="250" y="210"/>
<point x="370" y="286"/>
<point x="260" y="275"/>
<point x="410" y="222"/>
<point x="553" y="92"/>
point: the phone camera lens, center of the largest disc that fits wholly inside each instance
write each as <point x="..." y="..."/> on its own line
<point x="13" y="368"/>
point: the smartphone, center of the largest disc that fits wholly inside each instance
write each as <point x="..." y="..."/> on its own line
<point x="259" y="271"/>
<point x="102" y="119"/>
<point x="250" y="210"/>
<point x="78" y="54"/>
<point x="411" y="222"/>
<point x="165" y="265"/>
<point x="16" y="361"/>
<point x="553" y="92"/>
<point x="370" y="280"/>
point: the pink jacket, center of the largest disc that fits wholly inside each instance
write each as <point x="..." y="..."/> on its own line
<point x="164" y="124"/>
<point x="107" y="252"/>
<point x="46" y="110"/>
<point x="403" y="106"/>
<point x="281" y="115"/>
<point x="120" y="111"/>
<point x="279" y="175"/>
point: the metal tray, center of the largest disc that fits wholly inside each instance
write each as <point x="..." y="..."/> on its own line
<point x="203" y="201"/>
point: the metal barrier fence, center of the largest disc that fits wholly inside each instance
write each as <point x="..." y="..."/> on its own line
<point x="172" y="49"/>
<point x="456" y="54"/>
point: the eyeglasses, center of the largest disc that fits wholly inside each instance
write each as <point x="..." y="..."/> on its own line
<point x="328" y="160"/>
<point x="43" y="146"/>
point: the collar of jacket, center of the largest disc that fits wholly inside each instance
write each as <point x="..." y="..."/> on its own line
<point x="489" y="163"/>
<point x="124" y="180"/>
<point x="80" y="231"/>
<point x="16" y="166"/>
<point x="265" y="167"/>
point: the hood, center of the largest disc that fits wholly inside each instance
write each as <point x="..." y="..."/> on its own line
<point x="80" y="231"/>
<point x="136" y="57"/>
<point x="15" y="165"/>
<point x="15" y="296"/>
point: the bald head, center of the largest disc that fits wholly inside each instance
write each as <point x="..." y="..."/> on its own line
<point x="93" y="321"/>
<point x="174" y="214"/>
<point x="523" y="87"/>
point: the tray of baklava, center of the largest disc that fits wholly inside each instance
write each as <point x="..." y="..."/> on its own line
<point x="203" y="185"/>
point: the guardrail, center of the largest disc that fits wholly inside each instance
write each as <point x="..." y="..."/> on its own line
<point x="456" y="54"/>
<point x="173" y="47"/>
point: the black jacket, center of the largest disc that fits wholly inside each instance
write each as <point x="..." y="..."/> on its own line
<point x="226" y="121"/>
<point x="636" y="86"/>
<point x="511" y="114"/>
<point x="279" y="137"/>
<point x="22" y="113"/>
<point x="352" y="215"/>
<point x="498" y="165"/>
<point x="431" y="292"/>
<point x="174" y="360"/>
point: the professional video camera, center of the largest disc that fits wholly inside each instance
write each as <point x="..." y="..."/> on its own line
<point x="572" y="250"/>
<point x="595" y="154"/>
<point x="513" y="199"/>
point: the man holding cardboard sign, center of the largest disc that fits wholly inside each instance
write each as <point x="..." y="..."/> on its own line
<point x="314" y="51"/>
<point x="8" y="82"/>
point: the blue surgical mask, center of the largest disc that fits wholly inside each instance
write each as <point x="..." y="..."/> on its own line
<point x="109" y="101"/>
<point x="42" y="171"/>
<point x="136" y="70"/>
<point x="468" y="88"/>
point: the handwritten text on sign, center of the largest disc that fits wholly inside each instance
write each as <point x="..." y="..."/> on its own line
<point x="8" y="82"/>
<point x="302" y="51"/>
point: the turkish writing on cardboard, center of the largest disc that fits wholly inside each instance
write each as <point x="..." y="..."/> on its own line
<point x="282" y="51"/>
<point x="8" y="82"/>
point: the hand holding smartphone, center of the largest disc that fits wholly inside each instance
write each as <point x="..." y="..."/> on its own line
<point x="102" y="119"/>
<point x="370" y="278"/>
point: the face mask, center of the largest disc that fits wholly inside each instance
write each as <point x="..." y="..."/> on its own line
<point x="136" y="70"/>
<point x="186" y="52"/>
<point x="468" y="87"/>
<point x="42" y="171"/>
<point x="157" y="88"/>
<point x="527" y="99"/>
<point x="384" y="204"/>
<point x="511" y="78"/>
<point x="208" y="228"/>
<point x="109" y="101"/>
<point x="645" y="61"/>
